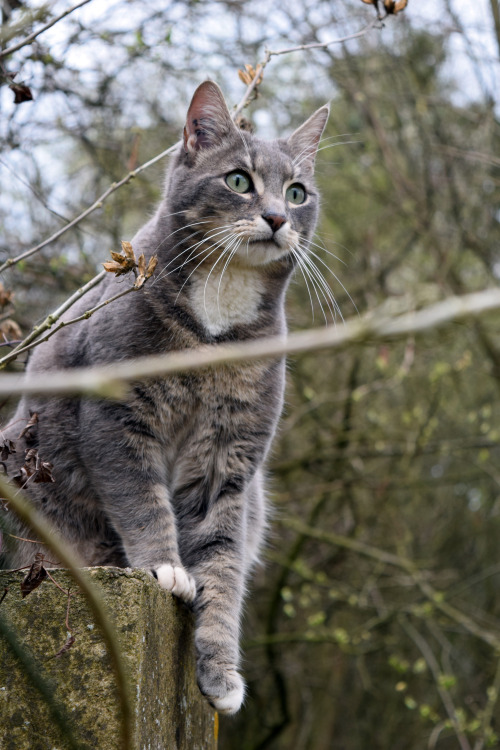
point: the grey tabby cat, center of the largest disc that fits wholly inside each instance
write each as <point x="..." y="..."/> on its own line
<point x="171" y="478"/>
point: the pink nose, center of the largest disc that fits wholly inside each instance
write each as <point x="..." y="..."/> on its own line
<point x="275" y="221"/>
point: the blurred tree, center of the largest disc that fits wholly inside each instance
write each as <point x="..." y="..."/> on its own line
<point x="376" y="623"/>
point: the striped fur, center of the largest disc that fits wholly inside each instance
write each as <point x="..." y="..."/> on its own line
<point x="170" y="479"/>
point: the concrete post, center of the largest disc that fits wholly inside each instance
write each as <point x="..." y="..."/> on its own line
<point x="156" y="633"/>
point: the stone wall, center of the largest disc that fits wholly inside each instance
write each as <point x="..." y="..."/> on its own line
<point x="156" y="633"/>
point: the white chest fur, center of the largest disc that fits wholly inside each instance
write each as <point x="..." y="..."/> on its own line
<point x="221" y="300"/>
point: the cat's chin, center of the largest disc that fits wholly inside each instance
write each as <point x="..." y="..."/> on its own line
<point x="259" y="253"/>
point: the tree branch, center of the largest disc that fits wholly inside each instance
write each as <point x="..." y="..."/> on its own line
<point x="97" y="204"/>
<point x="33" y="36"/>
<point x="110" y="380"/>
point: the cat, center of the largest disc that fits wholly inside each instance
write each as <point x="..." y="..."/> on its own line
<point x="171" y="478"/>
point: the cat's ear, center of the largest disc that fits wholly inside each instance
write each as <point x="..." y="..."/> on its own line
<point x="208" y="120"/>
<point x="304" y="141"/>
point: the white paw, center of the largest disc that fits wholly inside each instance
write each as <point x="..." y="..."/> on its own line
<point x="231" y="702"/>
<point x="224" y="689"/>
<point x="178" y="581"/>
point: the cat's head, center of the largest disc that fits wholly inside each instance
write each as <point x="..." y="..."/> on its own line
<point x="251" y="200"/>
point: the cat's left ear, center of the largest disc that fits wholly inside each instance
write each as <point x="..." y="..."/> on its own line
<point x="208" y="120"/>
<point x="304" y="141"/>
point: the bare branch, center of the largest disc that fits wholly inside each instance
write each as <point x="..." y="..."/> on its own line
<point x="51" y="319"/>
<point x="110" y="381"/>
<point x="376" y="23"/>
<point x="33" y="339"/>
<point x="97" y="204"/>
<point x="31" y="37"/>
<point x="239" y="107"/>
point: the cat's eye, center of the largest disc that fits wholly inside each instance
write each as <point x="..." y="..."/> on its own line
<point x="239" y="182"/>
<point x="295" y="194"/>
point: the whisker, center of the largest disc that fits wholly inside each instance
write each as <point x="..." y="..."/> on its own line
<point x="192" y="248"/>
<point x="231" y="238"/>
<point x="214" y="248"/>
<point x="320" y="284"/>
<point x="300" y="266"/>
<point x="334" y="276"/>
<point x="298" y="159"/>
<point x="237" y="242"/>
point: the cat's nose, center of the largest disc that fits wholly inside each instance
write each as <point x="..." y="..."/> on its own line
<point x="275" y="221"/>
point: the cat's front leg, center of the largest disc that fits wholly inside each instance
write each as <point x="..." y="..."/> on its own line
<point x="126" y="468"/>
<point x="220" y="575"/>
<point x="219" y="550"/>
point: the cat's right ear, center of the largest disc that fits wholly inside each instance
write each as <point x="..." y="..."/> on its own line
<point x="208" y="120"/>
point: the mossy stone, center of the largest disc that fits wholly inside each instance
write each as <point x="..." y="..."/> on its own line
<point x="156" y="635"/>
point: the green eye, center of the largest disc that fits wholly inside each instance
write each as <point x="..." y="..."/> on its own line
<point x="239" y="182"/>
<point x="295" y="194"/>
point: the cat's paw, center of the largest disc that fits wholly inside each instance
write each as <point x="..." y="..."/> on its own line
<point x="223" y="688"/>
<point x="178" y="581"/>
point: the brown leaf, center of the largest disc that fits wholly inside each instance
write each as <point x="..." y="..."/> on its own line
<point x="249" y="74"/>
<point x="10" y="330"/>
<point x="36" y="575"/>
<point x="392" y="6"/>
<point x="6" y="296"/>
<point x="127" y="249"/>
<point x="122" y="264"/>
<point x="33" y="420"/>
<point x="34" y="469"/>
<point x="22" y="93"/>
<point x="7" y="447"/>
<point x="145" y="273"/>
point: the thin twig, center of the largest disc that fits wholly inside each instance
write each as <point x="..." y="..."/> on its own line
<point x="52" y="318"/>
<point x="259" y="70"/>
<point x="433" y="665"/>
<point x="434" y="596"/>
<point x="110" y="380"/>
<point x="31" y="37"/>
<point x="31" y="342"/>
<point x="96" y="205"/>
<point x="239" y="107"/>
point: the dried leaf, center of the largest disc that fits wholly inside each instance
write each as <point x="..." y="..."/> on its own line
<point x="122" y="264"/>
<point x="10" y="330"/>
<point x="153" y="262"/>
<point x="247" y="75"/>
<point x="145" y="273"/>
<point x="33" y="420"/>
<point x="22" y="93"/>
<point x="36" y="575"/>
<point x="127" y="249"/>
<point x="391" y="6"/>
<point x="7" y="447"/>
<point x="34" y="469"/>
<point x="6" y="296"/>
